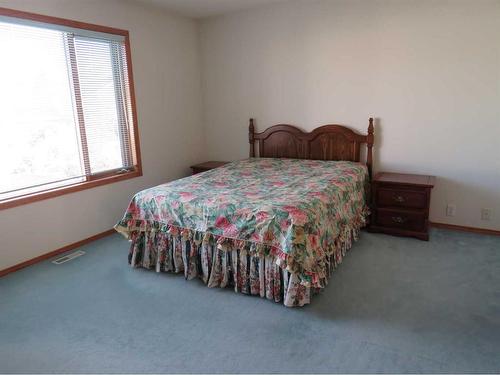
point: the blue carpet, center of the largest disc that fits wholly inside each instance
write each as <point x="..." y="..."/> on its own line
<point x="394" y="305"/>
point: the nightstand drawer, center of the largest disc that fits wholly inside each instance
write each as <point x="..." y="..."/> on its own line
<point x="401" y="198"/>
<point x="409" y="220"/>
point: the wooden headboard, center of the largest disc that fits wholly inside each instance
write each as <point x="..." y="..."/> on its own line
<point x="328" y="142"/>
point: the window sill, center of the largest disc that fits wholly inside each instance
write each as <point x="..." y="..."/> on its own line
<point x="55" y="192"/>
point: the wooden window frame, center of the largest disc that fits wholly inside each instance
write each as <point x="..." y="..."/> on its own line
<point x="104" y="178"/>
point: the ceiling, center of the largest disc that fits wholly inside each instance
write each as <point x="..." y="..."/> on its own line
<point x="207" y="8"/>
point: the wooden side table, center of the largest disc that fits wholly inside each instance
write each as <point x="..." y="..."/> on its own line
<point x="206" y="166"/>
<point x="401" y="204"/>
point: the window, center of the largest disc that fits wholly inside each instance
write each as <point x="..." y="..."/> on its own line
<point x="66" y="107"/>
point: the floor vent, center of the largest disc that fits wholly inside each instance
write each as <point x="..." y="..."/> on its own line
<point x="69" y="257"/>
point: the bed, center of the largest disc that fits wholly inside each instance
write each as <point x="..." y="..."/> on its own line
<point x="275" y="225"/>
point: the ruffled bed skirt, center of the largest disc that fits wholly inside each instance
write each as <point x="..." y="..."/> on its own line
<point x="225" y="264"/>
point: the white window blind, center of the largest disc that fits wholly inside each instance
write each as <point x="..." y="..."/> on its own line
<point x="65" y="107"/>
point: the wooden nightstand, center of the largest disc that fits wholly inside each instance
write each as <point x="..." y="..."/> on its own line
<point x="203" y="167"/>
<point x="401" y="204"/>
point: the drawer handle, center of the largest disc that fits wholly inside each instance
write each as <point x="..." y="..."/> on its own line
<point x="399" y="219"/>
<point x="398" y="198"/>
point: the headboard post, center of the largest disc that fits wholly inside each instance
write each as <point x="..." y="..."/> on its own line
<point x="251" y="138"/>
<point x="369" y="143"/>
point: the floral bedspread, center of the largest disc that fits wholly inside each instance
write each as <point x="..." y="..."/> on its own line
<point x="296" y="210"/>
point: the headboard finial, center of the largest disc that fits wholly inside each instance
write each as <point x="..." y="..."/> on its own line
<point x="370" y="125"/>
<point x="251" y="138"/>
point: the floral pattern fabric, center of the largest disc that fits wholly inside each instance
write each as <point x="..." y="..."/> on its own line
<point x="220" y="265"/>
<point x="298" y="214"/>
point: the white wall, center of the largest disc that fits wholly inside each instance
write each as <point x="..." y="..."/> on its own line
<point x="428" y="70"/>
<point x="165" y="57"/>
